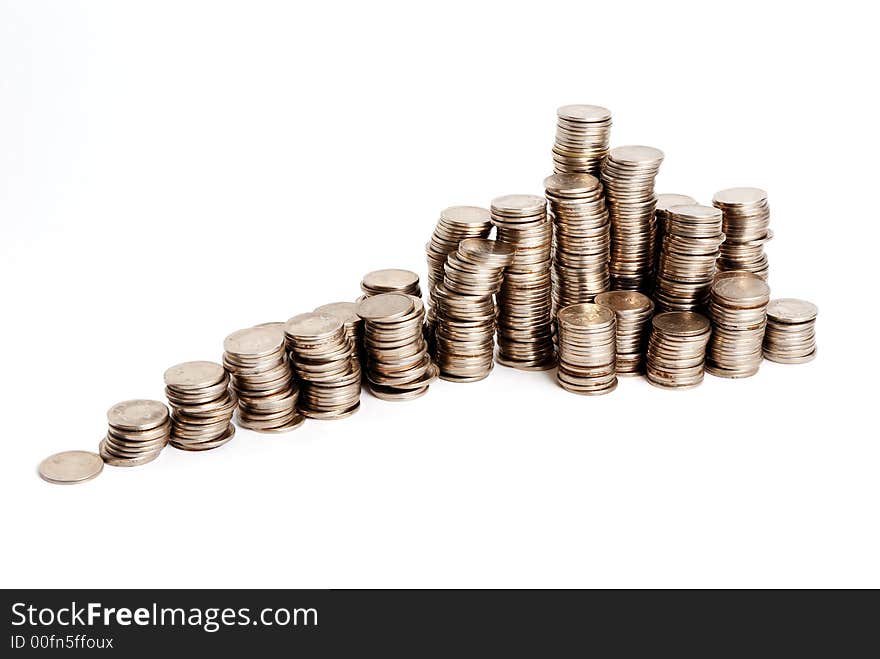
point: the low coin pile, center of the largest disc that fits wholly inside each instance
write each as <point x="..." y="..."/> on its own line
<point x="790" y="337"/>
<point x="466" y="309"/>
<point x="661" y="217"/>
<point x="746" y="227"/>
<point x="582" y="136"/>
<point x="633" y="310"/>
<point x="354" y="328"/>
<point x="586" y="349"/>
<point x="138" y="431"/>
<point x="398" y="364"/>
<point x="525" y="334"/>
<point x="321" y="358"/>
<point x="738" y="310"/>
<point x="581" y="238"/>
<point x="261" y="378"/>
<point x="391" y="280"/>
<point x="628" y="174"/>
<point x="677" y="349"/>
<point x="687" y="260"/>
<point x="202" y="406"/>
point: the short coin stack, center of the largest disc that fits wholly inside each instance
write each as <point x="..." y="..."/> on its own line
<point x="586" y="349"/>
<point x="525" y="334"/>
<point x="738" y="309"/>
<point x="677" y="349"/>
<point x="466" y="310"/>
<point x="138" y="431"/>
<point x="261" y="377"/>
<point x="582" y="136"/>
<point x="391" y="280"/>
<point x="633" y="311"/>
<point x="687" y="260"/>
<point x="354" y="328"/>
<point x="398" y="364"/>
<point x="661" y="217"/>
<point x="746" y="227"/>
<point x="202" y="406"/>
<point x="581" y="238"/>
<point x="321" y="356"/>
<point x="791" y="331"/>
<point x="628" y="174"/>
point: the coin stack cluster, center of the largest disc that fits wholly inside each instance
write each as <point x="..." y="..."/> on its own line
<point x="391" y="280"/>
<point x="354" y="329"/>
<point x="582" y="136"/>
<point x="138" y="431"/>
<point x="633" y="310"/>
<point x="628" y="174"/>
<point x="790" y="337"/>
<point x="581" y="238"/>
<point x="738" y="309"/>
<point x="661" y="217"/>
<point x="466" y="309"/>
<point x="398" y="364"/>
<point x="525" y="334"/>
<point x="587" y="349"/>
<point x="687" y="260"/>
<point x="746" y="227"/>
<point x="677" y="349"/>
<point x="321" y="358"/>
<point x="202" y="405"/>
<point x="261" y="378"/>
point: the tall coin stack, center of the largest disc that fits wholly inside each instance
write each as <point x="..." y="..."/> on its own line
<point x="746" y="227"/>
<point x="138" y="431"/>
<point x="354" y="328"/>
<point x="391" y="280"/>
<point x="586" y="349"/>
<point x="738" y="310"/>
<point x="398" y="364"/>
<point x="582" y="136"/>
<point x="581" y="238"/>
<point x="525" y="334"/>
<point x="687" y="260"/>
<point x="633" y="311"/>
<point x="677" y="349"/>
<point x="466" y="309"/>
<point x="661" y="217"/>
<point x="628" y="174"/>
<point x="790" y="337"/>
<point x="261" y="378"/>
<point x="202" y="406"/>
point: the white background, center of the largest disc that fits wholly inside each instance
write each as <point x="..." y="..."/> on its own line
<point x="173" y="171"/>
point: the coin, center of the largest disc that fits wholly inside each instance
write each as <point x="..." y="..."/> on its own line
<point x="677" y="349"/>
<point x="202" y="405"/>
<point x="70" y="467"/>
<point x="790" y="336"/>
<point x="582" y="136"/>
<point x="746" y="225"/>
<point x="137" y="414"/>
<point x="391" y="280"/>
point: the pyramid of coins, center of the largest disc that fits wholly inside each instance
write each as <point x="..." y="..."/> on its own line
<point x="597" y="278"/>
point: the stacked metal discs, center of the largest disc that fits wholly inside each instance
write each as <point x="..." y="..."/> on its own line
<point x="633" y="311"/>
<point x="687" y="260"/>
<point x="581" y="238"/>
<point x="261" y="378"/>
<point x="738" y="309"/>
<point x="321" y="357"/>
<point x="790" y="337"/>
<point x="202" y="405"/>
<point x="398" y="364"/>
<point x="138" y="431"/>
<point x="628" y="174"/>
<point x="525" y="335"/>
<point x="661" y="217"/>
<point x="746" y="227"/>
<point x="391" y="280"/>
<point x="677" y="349"/>
<point x="582" y="136"/>
<point x="466" y="309"/>
<point x="354" y="328"/>
<point x="586" y="349"/>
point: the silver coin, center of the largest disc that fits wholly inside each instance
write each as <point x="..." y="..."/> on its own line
<point x="70" y="467"/>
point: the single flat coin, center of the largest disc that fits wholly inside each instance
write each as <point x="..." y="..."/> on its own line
<point x="636" y="154"/>
<point x="667" y="201"/>
<point x="586" y="314"/>
<point x="466" y="215"/>
<point x="137" y="414"/>
<point x="571" y="184"/>
<point x="391" y="279"/>
<point x="386" y="306"/>
<point x="313" y="326"/>
<point x="739" y="196"/>
<point x="792" y="310"/>
<point x="684" y="323"/>
<point x="624" y="301"/>
<point x="255" y="341"/>
<point x="742" y="289"/>
<point x="194" y="375"/>
<point x="345" y="311"/>
<point x="584" y="113"/>
<point x="520" y="204"/>
<point x="71" y="467"/>
<point x="485" y="247"/>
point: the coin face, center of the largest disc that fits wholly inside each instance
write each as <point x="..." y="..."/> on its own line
<point x="586" y="315"/>
<point x="254" y="341"/>
<point x="466" y="215"/>
<point x="739" y="196"/>
<point x="636" y="154"/>
<point x="525" y="204"/>
<point x="742" y="288"/>
<point x="697" y="211"/>
<point x="571" y="183"/>
<point x="385" y="306"/>
<point x="71" y="467"/>
<point x="681" y="322"/>
<point x="792" y="310"/>
<point x="390" y="279"/>
<point x="345" y="311"/>
<point x="190" y="375"/>
<point x="485" y="247"/>
<point x="137" y="414"/>
<point x="585" y="113"/>
<point x="313" y="325"/>
<point x="667" y="201"/>
<point x="624" y="300"/>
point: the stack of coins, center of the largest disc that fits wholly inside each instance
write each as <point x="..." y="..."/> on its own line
<point x="466" y="309"/>
<point x="398" y="364"/>
<point x="628" y="174"/>
<point x="633" y="311"/>
<point x="582" y="136"/>
<point x="581" y="238"/>
<point x="790" y="337"/>
<point x="525" y="335"/>
<point x="391" y="280"/>
<point x="747" y="228"/>
<point x="687" y="260"/>
<point x="323" y="360"/>
<point x="677" y="349"/>
<point x="138" y="431"/>
<point x="354" y="328"/>
<point x="202" y="405"/>
<point x="661" y="217"/>
<point x="261" y="378"/>
<point x="587" y="349"/>
<point x="738" y="309"/>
